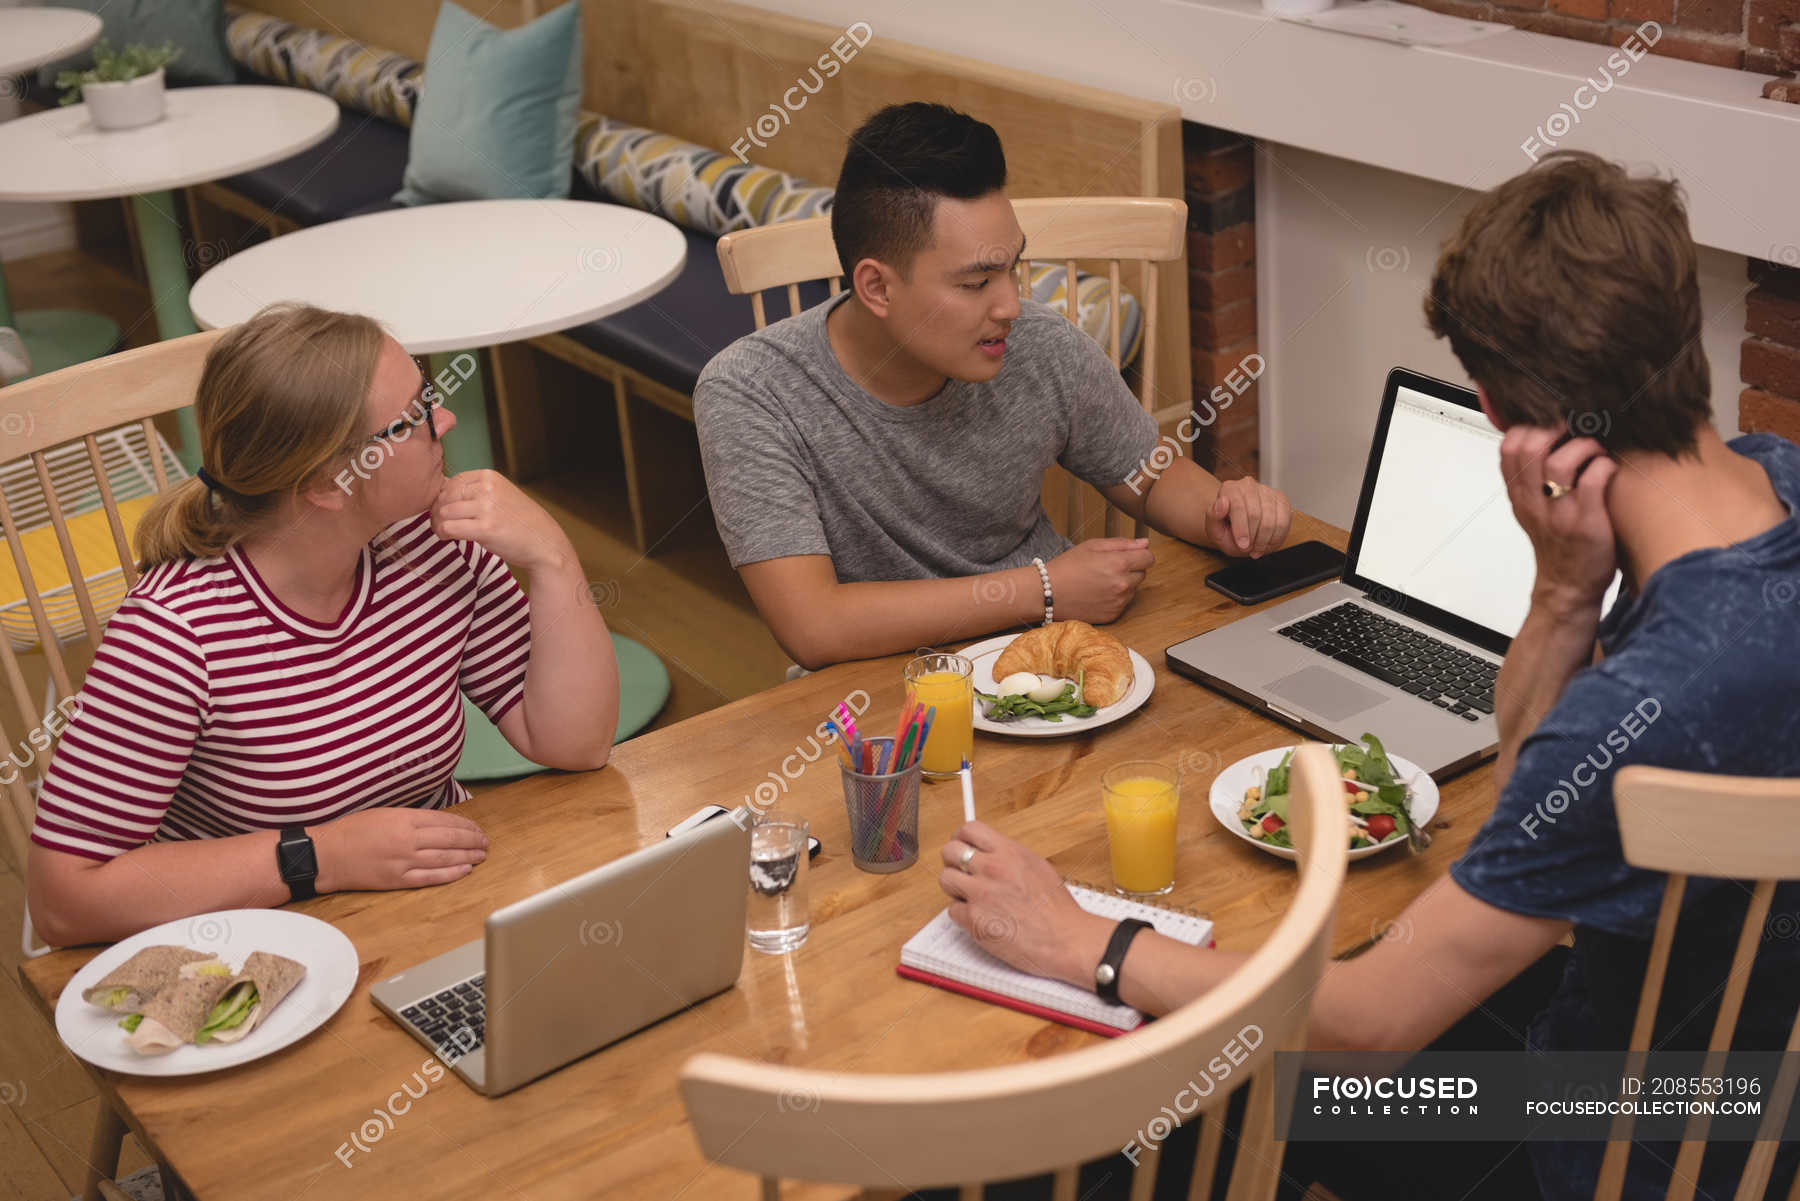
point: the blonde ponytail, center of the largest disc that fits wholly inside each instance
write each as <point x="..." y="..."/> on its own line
<point x="281" y="397"/>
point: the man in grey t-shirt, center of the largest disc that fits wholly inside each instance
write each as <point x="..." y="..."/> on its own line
<point x="876" y="463"/>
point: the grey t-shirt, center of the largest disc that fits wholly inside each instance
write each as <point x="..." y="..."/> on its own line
<point x="801" y="461"/>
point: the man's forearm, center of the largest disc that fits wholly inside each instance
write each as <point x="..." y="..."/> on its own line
<point x="1556" y="641"/>
<point x="1177" y="502"/>
<point x="866" y="620"/>
<point x="1161" y="974"/>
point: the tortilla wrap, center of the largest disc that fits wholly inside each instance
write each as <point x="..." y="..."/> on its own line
<point x="143" y="976"/>
<point x="172" y="1016"/>
<point x="275" y="977"/>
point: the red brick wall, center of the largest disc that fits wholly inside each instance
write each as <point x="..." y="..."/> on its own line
<point x="1221" y="293"/>
<point x="1755" y="35"/>
<point x="1770" y="366"/>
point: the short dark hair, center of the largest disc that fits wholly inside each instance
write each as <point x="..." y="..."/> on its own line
<point x="1571" y="294"/>
<point x="897" y="166"/>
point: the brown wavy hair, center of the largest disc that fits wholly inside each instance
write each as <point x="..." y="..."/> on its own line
<point x="1571" y="294"/>
<point x="281" y="399"/>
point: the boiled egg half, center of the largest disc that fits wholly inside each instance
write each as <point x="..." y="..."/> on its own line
<point x="1041" y="689"/>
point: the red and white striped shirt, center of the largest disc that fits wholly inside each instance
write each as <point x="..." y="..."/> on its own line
<point x="212" y="709"/>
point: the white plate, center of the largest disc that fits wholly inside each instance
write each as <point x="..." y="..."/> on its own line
<point x="331" y="967"/>
<point x="984" y="654"/>
<point x="1228" y="795"/>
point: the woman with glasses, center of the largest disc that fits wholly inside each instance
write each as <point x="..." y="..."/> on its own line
<point x="276" y="707"/>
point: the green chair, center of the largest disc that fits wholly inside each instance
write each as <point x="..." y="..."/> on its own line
<point x="643" y="690"/>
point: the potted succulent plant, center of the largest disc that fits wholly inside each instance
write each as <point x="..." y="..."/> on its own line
<point x="123" y="89"/>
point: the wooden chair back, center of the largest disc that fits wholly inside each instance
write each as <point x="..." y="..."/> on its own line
<point x="79" y="405"/>
<point x="1692" y="823"/>
<point x="1069" y="230"/>
<point x="968" y="1128"/>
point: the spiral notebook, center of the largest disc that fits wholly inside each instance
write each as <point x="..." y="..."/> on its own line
<point x="945" y="955"/>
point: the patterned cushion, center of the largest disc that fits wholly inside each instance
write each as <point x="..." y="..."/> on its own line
<point x="707" y="191"/>
<point x="365" y="78"/>
<point x="1093" y="306"/>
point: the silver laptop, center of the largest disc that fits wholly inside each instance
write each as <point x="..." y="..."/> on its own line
<point x="1437" y="580"/>
<point x="585" y="963"/>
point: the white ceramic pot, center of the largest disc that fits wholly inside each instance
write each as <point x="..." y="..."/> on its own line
<point x="125" y="105"/>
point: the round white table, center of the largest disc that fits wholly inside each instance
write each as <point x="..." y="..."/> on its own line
<point x="446" y="279"/>
<point x="457" y="277"/>
<point x="207" y="134"/>
<point x="29" y="38"/>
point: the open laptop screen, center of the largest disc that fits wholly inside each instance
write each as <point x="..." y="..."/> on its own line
<point x="1434" y="524"/>
<point x="1439" y="527"/>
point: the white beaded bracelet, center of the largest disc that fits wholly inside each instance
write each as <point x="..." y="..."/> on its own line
<point x="1044" y="575"/>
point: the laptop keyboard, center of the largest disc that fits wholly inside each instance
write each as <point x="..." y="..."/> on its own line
<point x="1430" y="669"/>
<point x="454" y="1020"/>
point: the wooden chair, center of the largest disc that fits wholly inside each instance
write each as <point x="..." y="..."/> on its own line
<point x="76" y="405"/>
<point x="1152" y="230"/>
<point x="127" y="455"/>
<point x="900" y="1132"/>
<point x="1691" y="823"/>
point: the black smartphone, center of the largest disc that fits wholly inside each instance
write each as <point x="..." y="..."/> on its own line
<point x="1253" y="581"/>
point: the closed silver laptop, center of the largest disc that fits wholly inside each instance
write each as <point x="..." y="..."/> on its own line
<point x="1437" y="580"/>
<point x="575" y="967"/>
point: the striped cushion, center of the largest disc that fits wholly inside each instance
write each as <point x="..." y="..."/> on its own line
<point x="707" y="191"/>
<point x="1093" y="306"/>
<point x="365" y="78"/>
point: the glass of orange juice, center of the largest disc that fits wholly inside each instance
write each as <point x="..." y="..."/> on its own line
<point x="947" y="682"/>
<point x="1140" y="800"/>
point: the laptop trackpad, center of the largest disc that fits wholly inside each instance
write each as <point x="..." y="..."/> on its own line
<point x="1327" y="693"/>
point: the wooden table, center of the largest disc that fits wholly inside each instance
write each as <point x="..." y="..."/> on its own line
<point x="612" y="1124"/>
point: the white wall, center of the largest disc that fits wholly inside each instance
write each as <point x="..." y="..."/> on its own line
<point x="1344" y="254"/>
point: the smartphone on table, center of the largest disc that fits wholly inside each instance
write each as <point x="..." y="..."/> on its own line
<point x="1253" y="581"/>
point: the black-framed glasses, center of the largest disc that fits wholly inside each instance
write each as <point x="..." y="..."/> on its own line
<point x="418" y="410"/>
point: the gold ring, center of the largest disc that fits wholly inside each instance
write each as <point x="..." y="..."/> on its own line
<point x="1554" y="490"/>
<point x="962" y="861"/>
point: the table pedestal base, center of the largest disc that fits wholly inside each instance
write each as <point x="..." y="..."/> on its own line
<point x="58" y="338"/>
<point x="165" y="265"/>
<point x="471" y="447"/>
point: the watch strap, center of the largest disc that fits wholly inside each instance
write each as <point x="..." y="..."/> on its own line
<point x="298" y="862"/>
<point x="1106" y="975"/>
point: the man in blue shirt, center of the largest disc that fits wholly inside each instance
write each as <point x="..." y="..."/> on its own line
<point x="1570" y="296"/>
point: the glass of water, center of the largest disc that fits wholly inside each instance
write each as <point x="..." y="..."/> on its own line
<point x="777" y="919"/>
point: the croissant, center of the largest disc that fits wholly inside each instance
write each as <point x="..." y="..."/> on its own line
<point x="1072" y="649"/>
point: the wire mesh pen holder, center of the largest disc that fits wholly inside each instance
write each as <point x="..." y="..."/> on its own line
<point x="884" y="813"/>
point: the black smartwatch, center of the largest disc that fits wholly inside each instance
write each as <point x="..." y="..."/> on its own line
<point x="298" y="862"/>
<point x="1106" y="976"/>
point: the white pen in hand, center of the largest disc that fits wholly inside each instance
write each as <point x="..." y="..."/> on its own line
<point x="968" y="794"/>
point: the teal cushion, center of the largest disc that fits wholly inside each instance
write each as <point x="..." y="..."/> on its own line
<point x="196" y="26"/>
<point x="496" y="117"/>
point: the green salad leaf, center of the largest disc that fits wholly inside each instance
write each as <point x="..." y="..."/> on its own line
<point x="1372" y="766"/>
<point x="130" y="1022"/>
<point x="230" y="1011"/>
<point x="1016" y="705"/>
